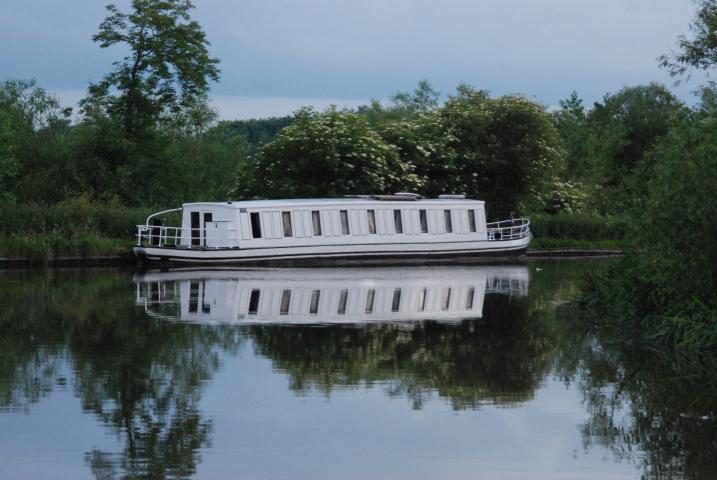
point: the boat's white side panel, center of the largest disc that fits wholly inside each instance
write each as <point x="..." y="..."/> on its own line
<point x="332" y="251"/>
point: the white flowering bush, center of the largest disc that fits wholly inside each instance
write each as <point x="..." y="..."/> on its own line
<point x="328" y="153"/>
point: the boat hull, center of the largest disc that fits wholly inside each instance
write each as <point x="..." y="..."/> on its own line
<point x="379" y="254"/>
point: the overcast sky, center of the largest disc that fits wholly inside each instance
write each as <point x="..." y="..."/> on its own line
<point x="277" y="55"/>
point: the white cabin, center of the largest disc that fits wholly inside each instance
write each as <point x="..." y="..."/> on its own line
<point x="273" y="223"/>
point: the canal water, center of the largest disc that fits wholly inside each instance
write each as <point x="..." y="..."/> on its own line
<point x="481" y="372"/>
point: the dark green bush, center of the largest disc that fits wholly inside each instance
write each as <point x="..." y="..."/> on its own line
<point x="71" y="218"/>
<point x="578" y="227"/>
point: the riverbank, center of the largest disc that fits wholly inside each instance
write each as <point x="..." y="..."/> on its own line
<point x="127" y="258"/>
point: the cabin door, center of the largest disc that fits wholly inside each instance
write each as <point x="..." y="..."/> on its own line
<point x="206" y="218"/>
<point x="195" y="230"/>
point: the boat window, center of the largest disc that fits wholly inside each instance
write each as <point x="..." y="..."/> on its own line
<point x="314" y="305"/>
<point x="449" y="223"/>
<point x="316" y="221"/>
<point x="193" y="297"/>
<point x="422" y="300"/>
<point x="371" y="215"/>
<point x="286" y="221"/>
<point x="343" y="299"/>
<point x="285" y="301"/>
<point x="254" y="301"/>
<point x="472" y="220"/>
<point x="396" y="302"/>
<point x="424" y="221"/>
<point x="397" y="221"/>
<point x="446" y="298"/>
<point x="206" y="308"/>
<point x="255" y="224"/>
<point x="470" y="297"/>
<point x="344" y="222"/>
<point x="370" y="296"/>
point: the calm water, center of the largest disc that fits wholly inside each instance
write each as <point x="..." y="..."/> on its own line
<point x="415" y="373"/>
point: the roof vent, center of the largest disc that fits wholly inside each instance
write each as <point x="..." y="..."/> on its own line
<point x="452" y="197"/>
<point x="401" y="196"/>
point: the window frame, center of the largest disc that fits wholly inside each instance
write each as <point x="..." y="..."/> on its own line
<point x="344" y="221"/>
<point x="423" y="220"/>
<point x="472" y="220"/>
<point x="371" y="220"/>
<point x="286" y="224"/>
<point x="448" y="220"/>
<point x="316" y="222"/>
<point x="255" y="222"/>
<point x="397" y="221"/>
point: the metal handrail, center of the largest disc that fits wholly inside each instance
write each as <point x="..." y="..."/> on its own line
<point x="513" y="229"/>
<point x="162" y="236"/>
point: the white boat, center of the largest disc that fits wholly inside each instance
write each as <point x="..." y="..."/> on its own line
<point x="326" y="295"/>
<point x="375" y="228"/>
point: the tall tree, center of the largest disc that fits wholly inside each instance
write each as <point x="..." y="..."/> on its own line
<point x="167" y="69"/>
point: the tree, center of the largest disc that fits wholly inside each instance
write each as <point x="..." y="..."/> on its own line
<point x="700" y="51"/>
<point x="623" y="128"/>
<point x="325" y="154"/>
<point x="571" y="122"/>
<point x="423" y="99"/>
<point x="36" y="163"/>
<point x="168" y="67"/>
<point x="507" y="149"/>
<point x="425" y="145"/>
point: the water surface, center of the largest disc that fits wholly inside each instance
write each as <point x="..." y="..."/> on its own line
<point x="444" y="372"/>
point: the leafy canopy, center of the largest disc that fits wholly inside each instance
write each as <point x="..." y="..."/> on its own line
<point x="167" y="69"/>
<point x="331" y="153"/>
<point x="700" y="51"/>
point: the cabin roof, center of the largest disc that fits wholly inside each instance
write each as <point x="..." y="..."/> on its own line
<point x="289" y="202"/>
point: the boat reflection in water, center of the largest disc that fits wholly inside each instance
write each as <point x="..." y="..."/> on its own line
<point x="326" y="295"/>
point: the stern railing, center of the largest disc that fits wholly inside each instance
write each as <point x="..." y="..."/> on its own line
<point x="513" y="229"/>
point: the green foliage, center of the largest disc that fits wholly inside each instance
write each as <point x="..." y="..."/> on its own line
<point x="700" y="51"/>
<point x="167" y="70"/>
<point x="578" y="227"/>
<point x="622" y="131"/>
<point x="256" y="132"/>
<point x="324" y="154"/>
<point x="572" y="124"/>
<point x="79" y="215"/>
<point x="423" y="99"/>
<point x="35" y="159"/>
<point x="503" y="150"/>
<point x="668" y="290"/>
<point x="425" y="145"/>
<point x="507" y="149"/>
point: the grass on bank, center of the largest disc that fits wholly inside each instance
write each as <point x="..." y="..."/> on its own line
<point x="74" y="228"/>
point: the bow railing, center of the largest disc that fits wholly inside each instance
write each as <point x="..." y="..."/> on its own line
<point x="162" y="236"/>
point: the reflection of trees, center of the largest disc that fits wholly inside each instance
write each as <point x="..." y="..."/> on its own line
<point x="498" y="359"/>
<point x="646" y="405"/>
<point x="141" y="377"/>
